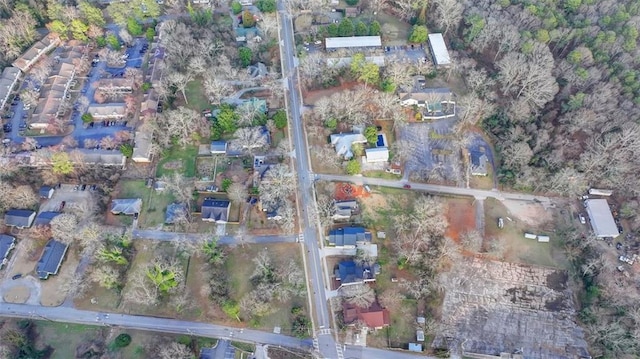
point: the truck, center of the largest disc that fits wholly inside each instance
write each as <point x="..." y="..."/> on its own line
<point x="600" y="192"/>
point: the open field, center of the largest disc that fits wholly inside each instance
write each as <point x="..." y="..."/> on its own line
<point x="460" y="216"/>
<point x="195" y="95"/>
<point x="176" y="159"/>
<point x="394" y="30"/>
<point x="64" y="338"/>
<point x="525" y="218"/>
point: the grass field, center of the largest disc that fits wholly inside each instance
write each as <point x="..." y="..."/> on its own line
<point x="196" y="97"/>
<point x="177" y="159"/>
<point x="381" y="174"/>
<point x="64" y="338"/>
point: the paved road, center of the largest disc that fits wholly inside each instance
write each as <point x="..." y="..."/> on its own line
<point x="358" y="352"/>
<point x="70" y="315"/>
<point x="226" y="240"/>
<point x="326" y="342"/>
<point x="437" y="189"/>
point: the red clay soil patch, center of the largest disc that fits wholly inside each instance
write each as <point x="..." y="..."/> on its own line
<point x="348" y="191"/>
<point x="310" y="97"/>
<point x="461" y="217"/>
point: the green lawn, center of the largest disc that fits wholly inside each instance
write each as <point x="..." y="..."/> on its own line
<point x="381" y="174"/>
<point x="64" y="338"/>
<point x="196" y="97"/>
<point x="154" y="203"/>
<point x="178" y="159"/>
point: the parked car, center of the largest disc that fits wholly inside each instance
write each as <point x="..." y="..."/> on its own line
<point x="62" y="204"/>
<point x="135" y="215"/>
<point x="83" y="187"/>
<point x="406" y="186"/>
<point x="17" y="276"/>
<point x="582" y="219"/>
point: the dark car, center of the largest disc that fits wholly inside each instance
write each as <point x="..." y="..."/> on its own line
<point x="135" y="215"/>
<point x="407" y="186"/>
<point x="62" y="204"/>
<point x="93" y="188"/>
<point x="6" y="128"/>
<point x="83" y="187"/>
<point x="17" y="276"/>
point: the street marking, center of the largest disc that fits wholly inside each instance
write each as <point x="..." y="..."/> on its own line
<point x="316" y="346"/>
<point x="339" y="350"/>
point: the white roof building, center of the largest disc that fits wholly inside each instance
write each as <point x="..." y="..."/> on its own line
<point x="601" y="218"/>
<point x="142" y="147"/>
<point x="342" y="143"/>
<point x="352" y="42"/>
<point x="378" y="154"/>
<point x="439" y="50"/>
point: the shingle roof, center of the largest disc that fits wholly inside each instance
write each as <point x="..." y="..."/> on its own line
<point x="44" y="218"/>
<point x="18" y="217"/>
<point x="218" y="146"/>
<point x="128" y="206"/>
<point x="51" y="258"/>
<point x="215" y="210"/>
<point x="374" y="317"/>
<point x="351" y="272"/>
<point x="45" y="191"/>
<point x="6" y="244"/>
<point x="348" y="236"/>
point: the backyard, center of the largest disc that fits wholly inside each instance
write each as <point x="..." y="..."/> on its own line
<point x="195" y="95"/>
<point x="177" y="159"/>
<point x="154" y="203"/>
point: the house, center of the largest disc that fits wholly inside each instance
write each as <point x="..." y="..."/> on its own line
<point x="103" y="158"/>
<point x="46" y="192"/>
<point x="415" y="347"/>
<point x="25" y="61"/>
<point x="420" y="335"/>
<point x="348" y="236"/>
<point x="8" y="81"/>
<point x="20" y="218"/>
<point x="7" y="243"/>
<point x="342" y="142"/>
<point x="478" y="163"/>
<point x="51" y="259"/>
<point x="142" y="146"/>
<point x="601" y="218"/>
<point x="375" y="317"/>
<point x="108" y="111"/>
<point x="343" y="210"/>
<point x="377" y="154"/>
<point x="349" y="272"/>
<point x="175" y="211"/>
<point x="218" y="147"/>
<point x="353" y="42"/>
<point x="44" y="218"/>
<point x="439" y="51"/>
<point x="272" y="210"/>
<point x="215" y="210"/>
<point x="437" y="103"/>
<point x="126" y="206"/>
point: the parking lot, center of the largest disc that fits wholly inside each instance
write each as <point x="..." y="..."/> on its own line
<point x="74" y="198"/>
<point x="87" y="87"/>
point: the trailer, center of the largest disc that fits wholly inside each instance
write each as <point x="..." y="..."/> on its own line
<point x="543" y="239"/>
<point x="600" y="192"/>
<point x="530" y="236"/>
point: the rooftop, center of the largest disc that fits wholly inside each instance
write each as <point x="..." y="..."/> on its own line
<point x="342" y="142"/>
<point x="19" y="217"/>
<point x="51" y="258"/>
<point x="353" y="42"/>
<point x="128" y="206"/>
<point x="439" y="49"/>
<point x="7" y="243"/>
<point x="349" y="272"/>
<point x="215" y="210"/>
<point x="45" y="218"/>
<point x="601" y="218"/>
<point x="373" y="317"/>
<point x="348" y="236"/>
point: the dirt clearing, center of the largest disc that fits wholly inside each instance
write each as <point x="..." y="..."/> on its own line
<point x="460" y="216"/>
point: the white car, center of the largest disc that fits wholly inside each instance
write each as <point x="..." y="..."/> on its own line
<point x="582" y="219"/>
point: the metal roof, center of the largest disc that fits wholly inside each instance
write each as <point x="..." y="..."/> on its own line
<point x="601" y="218"/>
<point x="51" y="258"/>
<point x="353" y="41"/>
<point x="439" y="49"/>
<point x="128" y="206"/>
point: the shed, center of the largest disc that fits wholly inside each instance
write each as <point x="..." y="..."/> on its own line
<point x="530" y="236"/>
<point x="415" y="347"/>
<point x="44" y="218"/>
<point x="7" y="243"/>
<point x="218" y="147"/>
<point x="51" y="259"/>
<point x="601" y="218"/>
<point x="543" y="239"/>
<point x="46" y="192"/>
<point x="439" y="50"/>
<point x="420" y="335"/>
<point x="20" y="218"/>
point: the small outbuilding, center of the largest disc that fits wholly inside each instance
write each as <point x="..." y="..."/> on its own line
<point x="439" y="51"/>
<point x="19" y="218"/>
<point x="46" y="192"/>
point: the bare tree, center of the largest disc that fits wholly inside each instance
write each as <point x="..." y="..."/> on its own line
<point x="237" y="192"/>
<point x="250" y="139"/>
<point x="472" y="240"/>
<point x="180" y="81"/>
<point x="106" y="277"/>
<point x="21" y="197"/>
<point x="216" y="89"/>
<point x="360" y="295"/>
<point x="125" y="36"/>
<point x="173" y="350"/>
<point x="449" y="14"/>
<point x="181" y="187"/>
<point x="63" y="227"/>
<point x="278" y="183"/>
<point x="29" y="144"/>
<point x="182" y="125"/>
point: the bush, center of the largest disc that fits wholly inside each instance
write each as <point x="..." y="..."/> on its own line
<point x="419" y="34"/>
<point x="331" y="123"/>
<point x="127" y="150"/>
<point x="134" y="27"/>
<point x="236" y="7"/>
<point x="266" y="5"/>
<point x="146" y="86"/>
<point x="280" y="119"/>
<point x="371" y="134"/>
<point x="113" y="42"/>
<point x="150" y="34"/>
<point x="352" y="2"/>
<point x="247" y="19"/>
<point x="123" y="340"/>
<point x="353" y="167"/>
<point x="245" y="55"/>
<point x="87" y="117"/>
<point x="226" y="183"/>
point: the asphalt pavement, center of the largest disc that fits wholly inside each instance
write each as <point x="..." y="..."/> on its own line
<point x="164" y="236"/>
<point x="166" y="325"/>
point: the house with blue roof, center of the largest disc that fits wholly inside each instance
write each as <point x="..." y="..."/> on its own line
<point x="349" y="272"/>
<point x="348" y="237"/>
